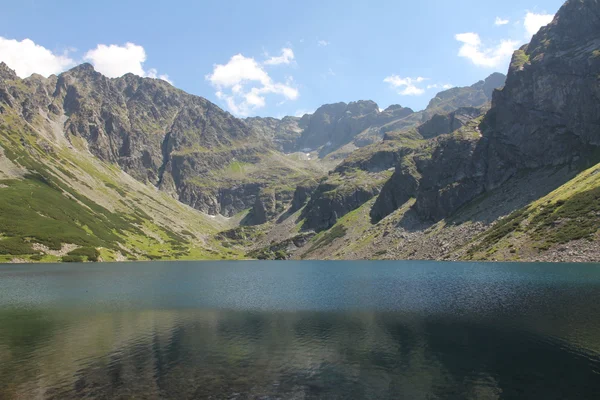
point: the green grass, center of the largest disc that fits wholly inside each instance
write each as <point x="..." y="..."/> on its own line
<point x="338" y="231"/>
<point x="90" y="253"/>
<point x="35" y="208"/>
<point x="571" y="212"/>
<point x="45" y="208"/>
<point x="577" y="217"/>
<point x="72" y="259"/>
<point x="503" y="228"/>
<point x="520" y="58"/>
<point x="15" y="245"/>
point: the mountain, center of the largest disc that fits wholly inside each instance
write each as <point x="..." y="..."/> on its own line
<point x="133" y="168"/>
<point x="527" y="157"/>
<point x="333" y="127"/>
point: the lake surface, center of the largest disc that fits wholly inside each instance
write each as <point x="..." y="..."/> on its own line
<point x="300" y="330"/>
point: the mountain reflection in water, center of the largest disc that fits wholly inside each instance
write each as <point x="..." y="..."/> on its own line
<point x="541" y="342"/>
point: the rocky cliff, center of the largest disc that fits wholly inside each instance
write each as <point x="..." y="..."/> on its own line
<point x="495" y="169"/>
<point x="547" y="115"/>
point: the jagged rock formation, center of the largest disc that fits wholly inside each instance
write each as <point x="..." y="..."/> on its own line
<point x="475" y="95"/>
<point x="441" y="124"/>
<point x="284" y="133"/>
<point x="547" y="115"/>
<point x="183" y="144"/>
<point x="362" y="123"/>
<point x="429" y="183"/>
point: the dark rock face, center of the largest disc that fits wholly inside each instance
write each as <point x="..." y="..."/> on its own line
<point x="302" y="194"/>
<point x="334" y="125"/>
<point x="547" y="115"/>
<point x="493" y="82"/>
<point x="441" y="177"/>
<point x="441" y="124"/>
<point x="153" y="131"/>
<point x="283" y="133"/>
<point x="549" y="111"/>
<point x="328" y="204"/>
<point x="470" y="96"/>
<point x="401" y="187"/>
<point x="268" y="204"/>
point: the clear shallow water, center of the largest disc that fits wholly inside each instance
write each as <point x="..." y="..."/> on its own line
<point x="300" y="330"/>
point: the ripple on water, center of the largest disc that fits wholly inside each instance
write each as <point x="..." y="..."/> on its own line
<point x="300" y="330"/>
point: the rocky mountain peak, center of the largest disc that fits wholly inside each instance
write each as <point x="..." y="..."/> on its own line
<point x="82" y="69"/>
<point x="576" y="23"/>
<point x="493" y="82"/>
<point x="6" y="73"/>
<point x="394" y="107"/>
<point x="362" y="107"/>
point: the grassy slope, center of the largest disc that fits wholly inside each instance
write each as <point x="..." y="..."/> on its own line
<point x="569" y="213"/>
<point x="66" y="196"/>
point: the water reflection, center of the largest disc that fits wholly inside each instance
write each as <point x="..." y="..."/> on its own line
<point x="288" y="331"/>
<point x="235" y="354"/>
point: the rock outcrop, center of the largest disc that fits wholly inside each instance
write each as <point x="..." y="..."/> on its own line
<point x="441" y="124"/>
<point x="546" y="116"/>
<point x="475" y="95"/>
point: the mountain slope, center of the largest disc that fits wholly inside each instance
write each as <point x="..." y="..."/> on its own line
<point x="58" y="201"/>
<point x="543" y="129"/>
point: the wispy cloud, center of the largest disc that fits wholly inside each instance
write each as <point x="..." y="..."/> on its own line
<point x="286" y="57"/>
<point x="499" y="21"/>
<point x="496" y="54"/>
<point x="491" y="57"/>
<point x="323" y="43"/>
<point x="406" y="86"/>
<point x="444" y="86"/>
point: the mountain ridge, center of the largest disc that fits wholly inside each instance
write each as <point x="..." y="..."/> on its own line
<point x="347" y="181"/>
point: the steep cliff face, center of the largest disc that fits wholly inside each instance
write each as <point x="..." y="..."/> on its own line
<point x="334" y="125"/>
<point x="547" y="115"/>
<point x="475" y="95"/>
<point x="283" y="133"/>
<point x="442" y="174"/>
<point x="441" y="124"/>
<point x="549" y="111"/>
<point x="183" y="144"/>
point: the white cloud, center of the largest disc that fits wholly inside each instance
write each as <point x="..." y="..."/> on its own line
<point x="491" y="57"/>
<point x="243" y="83"/>
<point x="323" y="43"/>
<point x="499" y="21"/>
<point x="115" y="61"/>
<point x="153" y="73"/>
<point x="533" y="22"/>
<point x="287" y="56"/>
<point x="406" y="86"/>
<point x="26" y="58"/>
<point x="440" y="86"/>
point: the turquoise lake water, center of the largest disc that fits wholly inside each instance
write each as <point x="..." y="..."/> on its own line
<point x="300" y="330"/>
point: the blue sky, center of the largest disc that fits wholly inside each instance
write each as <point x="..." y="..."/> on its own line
<point x="275" y="58"/>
